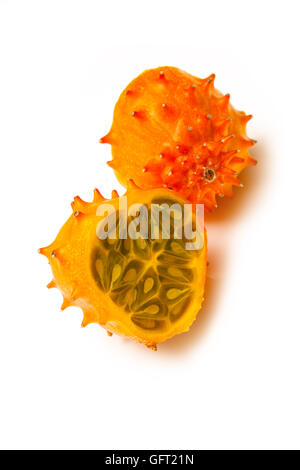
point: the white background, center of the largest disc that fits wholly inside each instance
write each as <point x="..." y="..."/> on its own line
<point x="233" y="380"/>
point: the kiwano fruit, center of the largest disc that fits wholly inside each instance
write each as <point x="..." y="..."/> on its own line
<point x="171" y="129"/>
<point x="146" y="289"/>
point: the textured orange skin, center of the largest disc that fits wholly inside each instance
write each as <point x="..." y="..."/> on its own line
<point x="69" y="258"/>
<point x="169" y="127"/>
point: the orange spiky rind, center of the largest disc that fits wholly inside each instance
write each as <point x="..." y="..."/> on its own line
<point x="97" y="196"/>
<point x="114" y="194"/>
<point x="178" y="115"/>
<point x="81" y="207"/>
<point x="70" y="259"/>
<point x="211" y="172"/>
<point x="51" y="284"/>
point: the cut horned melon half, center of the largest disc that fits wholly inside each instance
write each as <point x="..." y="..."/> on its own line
<point x="147" y="289"/>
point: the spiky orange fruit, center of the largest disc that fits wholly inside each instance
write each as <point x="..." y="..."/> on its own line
<point x="148" y="289"/>
<point x="171" y="129"/>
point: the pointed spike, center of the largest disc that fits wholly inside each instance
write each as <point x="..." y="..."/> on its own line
<point x="223" y="101"/>
<point x="79" y="200"/>
<point x="65" y="304"/>
<point x="97" y="196"/>
<point x="248" y="142"/>
<point x="152" y="346"/>
<point x="79" y="206"/>
<point x="208" y="83"/>
<point x="111" y="164"/>
<point x="105" y="139"/>
<point x="109" y="333"/>
<point x="85" y="321"/>
<point x="45" y="251"/>
<point x="251" y="161"/>
<point x="51" y="284"/>
<point x="80" y="203"/>
<point x="114" y="194"/>
<point x="246" y="118"/>
<point x="211" y="78"/>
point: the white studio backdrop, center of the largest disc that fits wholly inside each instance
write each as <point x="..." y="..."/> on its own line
<point x="233" y="380"/>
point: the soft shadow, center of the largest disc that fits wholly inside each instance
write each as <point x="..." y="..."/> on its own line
<point x="253" y="179"/>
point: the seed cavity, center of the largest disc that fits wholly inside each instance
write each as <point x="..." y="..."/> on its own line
<point x="145" y="323"/>
<point x="152" y="309"/>
<point x="148" y="284"/>
<point x="130" y="275"/>
<point x="131" y="297"/>
<point x="116" y="273"/>
<point x="174" y="272"/>
<point x="173" y="293"/>
<point x="149" y="279"/>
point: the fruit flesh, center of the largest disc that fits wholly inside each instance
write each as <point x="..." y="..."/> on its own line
<point x="145" y="289"/>
<point x="171" y="129"/>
